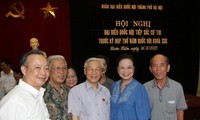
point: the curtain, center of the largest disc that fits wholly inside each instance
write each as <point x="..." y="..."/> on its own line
<point x="47" y="20"/>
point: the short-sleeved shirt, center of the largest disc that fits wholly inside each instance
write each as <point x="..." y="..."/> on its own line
<point x="56" y="102"/>
<point x="23" y="102"/>
<point x="2" y="91"/>
<point x="166" y="101"/>
<point x="7" y="81"/>
<point x="88" y="104"/>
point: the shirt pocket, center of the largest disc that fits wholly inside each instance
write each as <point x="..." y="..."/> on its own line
<point x="171" y="106"/>
<point x="105" y="106"/>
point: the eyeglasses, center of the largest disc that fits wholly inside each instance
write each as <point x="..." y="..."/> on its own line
<point x="94" y="70"/>
<point x="59" y="68"/>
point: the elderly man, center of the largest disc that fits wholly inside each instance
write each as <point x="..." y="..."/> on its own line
<point x="90" y="100"/>
<point x="166" y="95"/>
<point x="56" y="93"/>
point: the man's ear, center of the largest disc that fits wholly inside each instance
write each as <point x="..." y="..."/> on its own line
<point x="23" y="69"/>
<point x="168" y="68"/>
<point x="84" y="71"/>
<point x="150" y="69"/>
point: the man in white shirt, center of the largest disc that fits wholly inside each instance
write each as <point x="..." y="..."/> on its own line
<point x="25" y="101"/>
<point x="7" y="80"/>
<point x="2" y="91"/>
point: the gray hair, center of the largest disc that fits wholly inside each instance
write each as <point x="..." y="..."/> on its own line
<point x="93" y="59"/>
<point x="55" y="57"/>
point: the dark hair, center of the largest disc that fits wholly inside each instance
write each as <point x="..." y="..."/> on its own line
<point x="31" y="52"/>
<point x="104" y="57"/>
<point x="125" y="56"/>
<point x="71" y="67"/>
<point x="6" y="61"/>
<point x="17" y="70"/>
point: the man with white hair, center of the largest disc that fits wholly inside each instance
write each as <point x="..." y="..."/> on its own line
<point x="56" y="94"/>
<point x="90" y="100"/>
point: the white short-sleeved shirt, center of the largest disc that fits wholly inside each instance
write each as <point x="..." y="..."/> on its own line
<point x="84" y="102"/>
<point x="2" y="91"/>
<point x="7" y="81"/>
<point x="23" y="102"/>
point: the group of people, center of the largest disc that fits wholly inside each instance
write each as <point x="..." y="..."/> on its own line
<point x="158" y="99"/>
<point x="48" y="90"/>
<point x="8" y="77"/>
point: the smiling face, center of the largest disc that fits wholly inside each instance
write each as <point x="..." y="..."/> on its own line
<point x="125" y="69"/>
<point x="72" y="78"/>
<point x="35" y="71"/>
<point x="93" y="71"/>
<point x="159" y="67"/>
<point x="58" y="71"/>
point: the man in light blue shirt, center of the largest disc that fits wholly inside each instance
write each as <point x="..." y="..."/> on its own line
<point x="90" y="100"/>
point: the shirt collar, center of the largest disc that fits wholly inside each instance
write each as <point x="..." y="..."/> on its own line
<point x="36" y="93"/>
<point x="88" y="85"/>
<point x="166" y="83"/>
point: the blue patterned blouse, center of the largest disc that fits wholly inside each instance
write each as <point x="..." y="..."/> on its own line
<point x="130" y="104"/>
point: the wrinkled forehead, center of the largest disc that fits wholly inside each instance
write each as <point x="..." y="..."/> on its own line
<point x="94" y="63"/>
<point x="159" y="59"/>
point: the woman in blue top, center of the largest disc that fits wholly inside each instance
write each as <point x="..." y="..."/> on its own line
<point x="129" y="100"/>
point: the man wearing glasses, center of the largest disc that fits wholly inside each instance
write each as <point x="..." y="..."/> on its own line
<point x="56" y="94"/>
